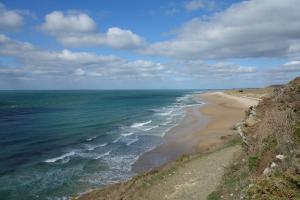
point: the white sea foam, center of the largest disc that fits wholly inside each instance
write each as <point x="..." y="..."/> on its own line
<point x="52" y="160"/>
<point x="137" y="125"/>
<point x="150" y="128"/>
<point x="127" y="134"/>
<point x="103" y="154"/>
<point x="166" y="123"/>
<point x="132" y="141"/>
<point x="116" y="140"/>
<point x="92" y="138"/>
<point x="165" y="113"/>
<point x="93" y="147"/>
<point x="121" y="162"/>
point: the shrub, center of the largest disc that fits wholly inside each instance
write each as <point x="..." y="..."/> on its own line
<point x="273" y="188"/>
<point x="253" y="163"/>
<point x="269" y="143"/>
<point x="213" y="196"/>
<point x="297" y="131"/>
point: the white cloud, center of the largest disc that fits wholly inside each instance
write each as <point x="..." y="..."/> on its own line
<point x="292" y="63"/>
<point x="289" y="67"/>
<point x="57" y="23"/>
<point x="119" y="38"/>
<point x="193" y="5"/>
<point x="80" y="30"/>
<point x="39" y="63"/>
<point x="32" y="63"/>
<point x="199" y="68"/>
<point x="10" y="19"/>
<point x="79" y="72"/>
<point x="257" y="28"/>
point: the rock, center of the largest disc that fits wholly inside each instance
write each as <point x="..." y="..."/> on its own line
<point x="280" y="157"/>
<point x="273" y="165"/>
<point x="266" y="171"/>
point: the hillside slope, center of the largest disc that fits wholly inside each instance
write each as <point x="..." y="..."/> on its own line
<point x="269" y="167"/>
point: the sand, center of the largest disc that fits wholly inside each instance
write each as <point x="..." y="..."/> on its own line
<point x="203" y="129"/>
<point x="225" y="111"/>
<point x="176" y="142"/>
<point x="196" y="178"/>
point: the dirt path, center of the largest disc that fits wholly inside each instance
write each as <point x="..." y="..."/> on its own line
<point x="195" y="180"/>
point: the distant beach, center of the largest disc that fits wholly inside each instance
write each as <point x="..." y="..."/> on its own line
<point x="203" y="127"/>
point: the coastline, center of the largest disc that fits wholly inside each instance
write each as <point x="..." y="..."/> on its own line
<point x="177" y="141"/>
<point x="204" y="129"/>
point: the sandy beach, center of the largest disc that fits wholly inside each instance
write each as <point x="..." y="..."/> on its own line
<point x="225" y="112"/>
<point x="205" y="129"/>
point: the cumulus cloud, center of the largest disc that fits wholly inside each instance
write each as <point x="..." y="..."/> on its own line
<point x="80" y="30"/>
<point x="10" y="19"/>
<point x="57" y="23"/>
<point x="35" y="62"/>
<point x="257" y="28"/>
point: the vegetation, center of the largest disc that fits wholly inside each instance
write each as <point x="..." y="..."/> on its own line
<point x="251" y="92"/>
<point x="214" y="196"/>
<point x="253" y="163"/>
<point x="269" y="166"/>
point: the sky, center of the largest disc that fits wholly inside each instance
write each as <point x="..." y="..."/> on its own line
<point x="141" y="44"/>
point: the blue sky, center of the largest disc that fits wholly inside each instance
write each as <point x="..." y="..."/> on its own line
<point x="148" y="44"/>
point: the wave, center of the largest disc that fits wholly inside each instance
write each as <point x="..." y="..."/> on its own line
<point x="191" y="105"/>
<point x="116" y="140"/>
<point x="92" y="138"/>
<point x="150" y="128"/>
<point x="127" y="134"/>
<point x="103" y="154"/>
<point x="166" y="123"/>
<point x="165" y="113"/>
<point x="52" y="160"/>
<point x="132" y="141"/>
<point x="137" y="125"/>
<point x="93" y="147"/>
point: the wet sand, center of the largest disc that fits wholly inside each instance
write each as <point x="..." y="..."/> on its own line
<point x="176" y="142"/>
<point x="203" y="129"/>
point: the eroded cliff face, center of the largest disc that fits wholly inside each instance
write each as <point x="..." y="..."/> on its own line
<point x="269" y="167"/>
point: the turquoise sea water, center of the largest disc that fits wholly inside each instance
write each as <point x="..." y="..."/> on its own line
<point x="55" y="144"/>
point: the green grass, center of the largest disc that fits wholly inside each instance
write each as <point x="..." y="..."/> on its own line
<point x="297" y="132"/>
<point x="253" y="162"/>
<point x="214" y="196"/>
<point x="269" y="143"/>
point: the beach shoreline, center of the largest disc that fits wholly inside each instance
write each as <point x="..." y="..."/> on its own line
<point x="214" y="127"/>
<point x="197" y="131"/>
<point x="177" y="141"/>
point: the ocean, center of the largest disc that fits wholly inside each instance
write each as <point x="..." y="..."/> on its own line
<point x="58" y="144"/>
